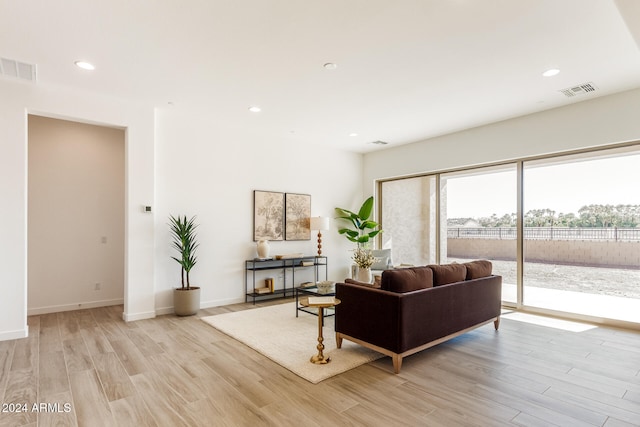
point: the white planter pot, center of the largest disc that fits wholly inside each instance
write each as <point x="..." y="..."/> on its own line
<point x="363" y="275"/>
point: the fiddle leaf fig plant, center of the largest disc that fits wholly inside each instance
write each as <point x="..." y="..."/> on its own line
<point x="363" y="229"/>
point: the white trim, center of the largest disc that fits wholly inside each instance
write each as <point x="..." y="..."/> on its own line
<point x="14" y="335"/>
<point x="138" y="316"/>
<point x="217" y="303"/>
<point x="206" y="304"/>
<point x="70" y="307"/>
<point x="164" y="310"/>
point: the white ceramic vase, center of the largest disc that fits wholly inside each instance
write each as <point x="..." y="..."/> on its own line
<point x="263" y="248"/>
<point x="364" y="275"/>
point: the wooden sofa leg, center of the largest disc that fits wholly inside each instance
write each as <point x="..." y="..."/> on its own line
<point x="397" y="363"/>
<point x="496" y="323"/>
<point x="338" y="340"/>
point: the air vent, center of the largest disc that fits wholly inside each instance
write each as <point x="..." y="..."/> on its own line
<point x="17" y="70"/>
<point x="379" y="142"/>
<point x="579" y="90"/>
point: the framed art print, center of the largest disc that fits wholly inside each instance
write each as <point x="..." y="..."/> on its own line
<point x="268" y="215"/>
<point x="297" y="216"/>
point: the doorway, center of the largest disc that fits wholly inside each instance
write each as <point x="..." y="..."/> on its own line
<point x="76" y="199"/>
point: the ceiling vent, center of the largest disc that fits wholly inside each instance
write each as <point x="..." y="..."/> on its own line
<point x="17" y="70"/>
<point x="579" y="90"/>
<point x="379" y="143"/>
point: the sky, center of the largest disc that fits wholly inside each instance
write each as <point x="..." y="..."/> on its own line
<point x="564" y="188"/>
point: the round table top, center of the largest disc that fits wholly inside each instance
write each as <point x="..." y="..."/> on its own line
<point x="304" y="301"/>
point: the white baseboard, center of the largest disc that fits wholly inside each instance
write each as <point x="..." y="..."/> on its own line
<point x="218" y="303"/>
<point x="14" y="335"/>
<point x="138" y="316"/>
<point x="203" y="304"/>
<point x="70" y="307"/>
<point x="164" y="310"/>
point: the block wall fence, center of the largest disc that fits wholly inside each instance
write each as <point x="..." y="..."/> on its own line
<point x="591" y="253"/>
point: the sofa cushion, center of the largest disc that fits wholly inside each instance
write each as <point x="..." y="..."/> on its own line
<point x="375" y="284"/>
<point x="478" y="269"/>
<point x="407" y="279"/>
<point x="448" y="273"/>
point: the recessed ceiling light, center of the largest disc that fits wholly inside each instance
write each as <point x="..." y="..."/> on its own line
<point x="353" y="134"/>
<point x="255" y="109"/>
<point x="551" y="72"/>
<point x="85" y="65"/>
<point x="330" y="66"/>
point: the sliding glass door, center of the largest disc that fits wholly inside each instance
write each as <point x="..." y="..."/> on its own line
<point x="582" y="234"/>
<point x="580" y="228"/>
<point x="478" y="221"/>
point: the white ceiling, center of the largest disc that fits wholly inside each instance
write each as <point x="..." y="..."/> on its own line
<point x="407" y="69"/>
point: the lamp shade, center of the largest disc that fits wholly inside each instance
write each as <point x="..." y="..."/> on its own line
<point x="319" y="223"/>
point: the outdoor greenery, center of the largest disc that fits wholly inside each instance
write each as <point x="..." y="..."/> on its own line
<point x="602" y="216"/>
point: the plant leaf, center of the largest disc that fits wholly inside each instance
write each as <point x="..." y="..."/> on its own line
<point x="366" y="209"/>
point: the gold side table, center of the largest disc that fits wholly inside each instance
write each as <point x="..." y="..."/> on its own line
<point x="326" y="302"/>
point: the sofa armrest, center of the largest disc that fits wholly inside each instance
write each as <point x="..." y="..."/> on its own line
<point x="369" y="314"/>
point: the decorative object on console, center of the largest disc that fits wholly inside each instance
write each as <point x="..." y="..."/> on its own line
<point x="268" y="215"/>
<point x="289" y="256"/>
<point x="186" y="299"/>
<point x="326" y="287"/>
<point x="262" y="248"/>
<point x="319" y="223"/>
<point x="298" y="211"/>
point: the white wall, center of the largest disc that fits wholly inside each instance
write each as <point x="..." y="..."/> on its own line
<point x="605" y="120"/>
<point x="220" y="171"/>
<point x="205" y="169"/>
<point x="17" y="100"/>
<point x="75" y="215"/>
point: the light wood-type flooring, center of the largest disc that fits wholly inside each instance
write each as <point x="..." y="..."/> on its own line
<point x="89" y="368"/>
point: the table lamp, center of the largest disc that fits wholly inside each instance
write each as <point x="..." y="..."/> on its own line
<point x="319" y="223"/>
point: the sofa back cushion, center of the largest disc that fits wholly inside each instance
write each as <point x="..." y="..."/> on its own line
<point x="407" y="279"/>
<point x="478" y="269"/>
<point x="448" y="273"/>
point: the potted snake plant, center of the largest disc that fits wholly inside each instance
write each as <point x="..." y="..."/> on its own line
<point x="186" y="299"/>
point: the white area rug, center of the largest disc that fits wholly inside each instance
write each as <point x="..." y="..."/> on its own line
<point x="275" y="332"/>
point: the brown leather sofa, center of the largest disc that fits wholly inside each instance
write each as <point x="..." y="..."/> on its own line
<point x="416" y="308"/>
